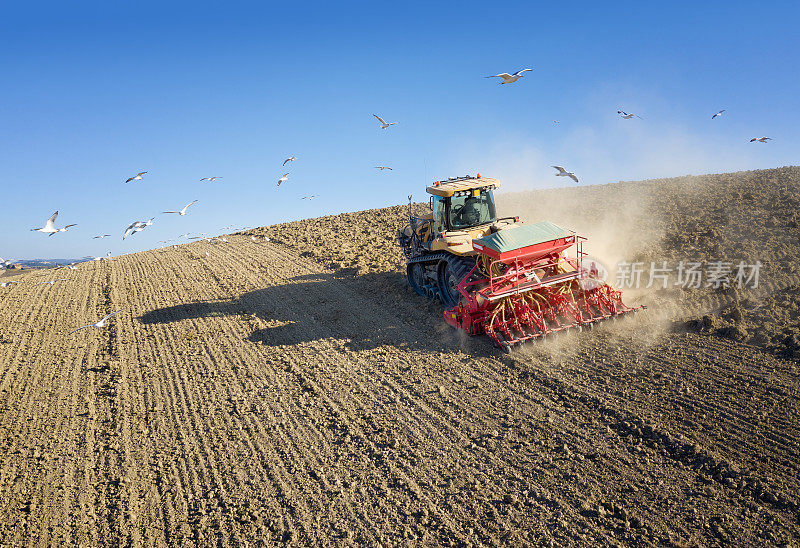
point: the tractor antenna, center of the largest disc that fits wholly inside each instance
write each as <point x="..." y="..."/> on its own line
<point x="410" y="216"/>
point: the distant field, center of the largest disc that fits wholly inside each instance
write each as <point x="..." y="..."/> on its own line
<point x="298" y="392"/>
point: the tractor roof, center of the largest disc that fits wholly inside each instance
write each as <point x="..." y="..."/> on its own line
<point x="455" y="185"/>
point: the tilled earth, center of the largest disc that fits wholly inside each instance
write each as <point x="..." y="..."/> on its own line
<point x="298" y="392"/>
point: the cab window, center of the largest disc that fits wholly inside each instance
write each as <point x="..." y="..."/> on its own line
<point x="468" y="211"/>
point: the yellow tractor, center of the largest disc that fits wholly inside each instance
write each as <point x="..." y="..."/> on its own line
<point x="499" y="276"/>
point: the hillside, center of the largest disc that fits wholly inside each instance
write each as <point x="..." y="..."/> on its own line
<point x="298" y="392"/>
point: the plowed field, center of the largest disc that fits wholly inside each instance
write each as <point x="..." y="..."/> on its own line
<point x="298" y="392"/>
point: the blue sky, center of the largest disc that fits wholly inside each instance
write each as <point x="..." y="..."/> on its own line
<point x="93" y="93"/>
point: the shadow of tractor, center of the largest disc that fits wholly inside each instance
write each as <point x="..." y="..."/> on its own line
<point x="365" y="312"/>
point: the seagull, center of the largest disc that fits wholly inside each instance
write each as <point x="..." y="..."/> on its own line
<point x="210" y="179"/>
<point x="137" y="226"/>
<point x="101" y="324"/>
<point x="253" y="238"/>
<point x="510" y="78"/>
<point x="266" y="239"/>
<point x="289" y="159"/>
<point x="309" y="198"/>
<point x="761" y="139"/>
<point x="384" y="124"/>
<point x="101" y="236"/>
<point x="6" y="284"/>
<point x="383" y="167"/>
<point x="564" y="173"/>
<point x="63" y="229"/>
<point x="182" y="212"/>
<point x="627" y="116"/>
<point x="129" y="230"/>
<point x="49" y="226"/>
<point x="52" y="282"/>
<point x="137" y="177"/>
<point x="718" y="114"/>
<point x="556" y="122"/>
<point x="283" y="179"/>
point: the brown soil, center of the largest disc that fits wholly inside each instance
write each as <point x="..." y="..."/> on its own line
<point x="268" y="394"/>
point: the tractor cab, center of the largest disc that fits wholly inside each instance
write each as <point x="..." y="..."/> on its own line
<point x="462" y="203"/>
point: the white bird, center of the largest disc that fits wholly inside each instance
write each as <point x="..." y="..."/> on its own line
<point x="210" y="179"/>
<point x="63" y="229"/>
<point x="137" y="226"/>
<point x="129" y="230"/>
<point x="760" y="139"/>
<point x="266" y="239"/>
<point x="309" y="198"/>
<point x="627" y="116"/>
<point x="564" y="173"/>
<point x="137" y="177"/>
<point x="182" y="212"/>
<point x="101" y="236"/>
<point x="283" y="179"/>
<point x="556" y="122"/>
<point x="52" y="282"/>
<point x="101" y="324"/>
<point x="384" y="124"/>
<point x="69" y="266"/>
<point x="49" y="226"/>
<point x="718" y="114"/>
<point x="289" y="159"/>
<point x="383" y="167"/>
<point x="253" y="238"/>
<point x="6" y="284"/>
<point x="510" y="78"/>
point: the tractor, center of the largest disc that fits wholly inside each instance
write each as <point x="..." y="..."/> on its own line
<point x="499" y="276"/>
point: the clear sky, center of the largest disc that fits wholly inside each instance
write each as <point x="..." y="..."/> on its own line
<point x="94" y="92"/>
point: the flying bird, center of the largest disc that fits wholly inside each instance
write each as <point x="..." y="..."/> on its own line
<point x="101" y="324"/>
<point x="137" y="177"/>
<point x="383" y="167"/>
<point x="384" y="124"/>
<point x="283" y="179"/>
<point x="628" y="116"/>
<point x="101" y="236"/>
<point x="510" y="78"/>
<point x="718" y="114"/>
<point x="62" y="229"/>
<point x="309" y="198"/>
<point x="761" y="139"/>
<point x="182" y="212"/>
<point x="137" y="226"/>
<point x="556" y="122"/>
<point x="210" y="179"/>
<point x="49" y="225"/>
<point x="289" y="159"/>
<point x="52" y="282"/>
<point x="564" y="173"/>
<point x="6" y="284"/>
